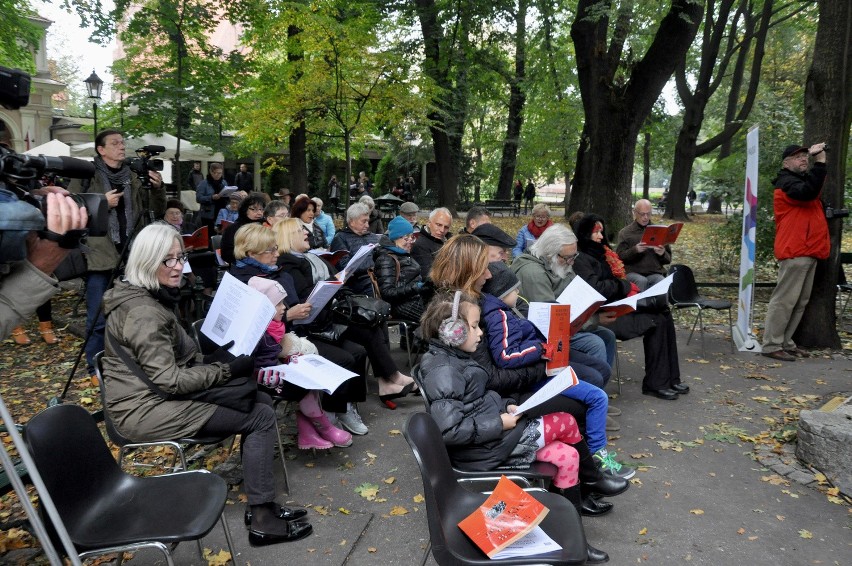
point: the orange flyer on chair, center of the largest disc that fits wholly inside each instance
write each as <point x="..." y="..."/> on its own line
<point x="507" y="515"/>
<point x="659" y="235"/>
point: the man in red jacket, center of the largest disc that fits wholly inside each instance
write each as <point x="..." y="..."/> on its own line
<point x="801" y="238"/>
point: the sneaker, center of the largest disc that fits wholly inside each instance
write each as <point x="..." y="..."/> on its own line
<point x="351" y="421"/>
<point x="606" y="460"/>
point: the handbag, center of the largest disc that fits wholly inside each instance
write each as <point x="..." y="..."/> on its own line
<point x="73" y="266"/>
<point x="238" y="394"/>
<point x="362" y="311"/>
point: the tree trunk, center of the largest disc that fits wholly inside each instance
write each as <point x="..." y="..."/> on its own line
<point x="828" y="116"/>
<point x="714" y="205"/>
<point x="615" y="108"/>
<point x="646" y="167"/>
<point x="298" y="160"/>
<point x="684" y="158"/>
<point x="517" y="100"/>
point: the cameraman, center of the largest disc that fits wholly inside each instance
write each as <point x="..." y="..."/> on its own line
<point x="801" y="238"/>
<point x="27" y="284"/>
<point x="130" y="208"/>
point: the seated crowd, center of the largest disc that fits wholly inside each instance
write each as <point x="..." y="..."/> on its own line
<point x="482" y="356"/>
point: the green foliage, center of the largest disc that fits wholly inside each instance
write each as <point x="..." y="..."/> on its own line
<point x="386" y="173"/>
<point x="724" y="243"/>
<point x="20" y="35"/>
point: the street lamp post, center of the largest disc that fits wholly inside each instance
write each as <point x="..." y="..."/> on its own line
<point x="94" y="84"/>
<point x="409" y="137"/>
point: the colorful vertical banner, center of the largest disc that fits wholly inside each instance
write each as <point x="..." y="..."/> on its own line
<point x="743" y="336"/>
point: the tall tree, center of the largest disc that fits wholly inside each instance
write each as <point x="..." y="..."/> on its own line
<point x="618" y="92"/>
<point x="828" y="117"/>
<point x="22" y="36"/>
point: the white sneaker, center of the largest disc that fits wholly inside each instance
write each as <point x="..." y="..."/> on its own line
<point x="351" y="421"/>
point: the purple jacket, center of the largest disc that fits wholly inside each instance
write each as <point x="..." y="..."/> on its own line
<point x="514" y="341"/>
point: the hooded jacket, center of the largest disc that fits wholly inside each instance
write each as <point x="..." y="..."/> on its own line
<point x="152" y="336"/>
<point x="514" y="341"/>
<point x="538" y="282"/>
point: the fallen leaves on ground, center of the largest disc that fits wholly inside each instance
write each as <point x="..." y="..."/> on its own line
<point x="221" y="558"/>
<point x="368" y="491"/>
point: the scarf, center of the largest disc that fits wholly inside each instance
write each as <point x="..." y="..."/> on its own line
<point x="536" y="231"/>
<point x="308" y="226"/>
<point x="169" y="297"/>
<point x="277" y="330"/>
<point x="250" y="261"/>
<point x="319" y="269"/>
<point x="396" y="249"/>
<point x="118" y="179"/>
<point x="615" y="263"/>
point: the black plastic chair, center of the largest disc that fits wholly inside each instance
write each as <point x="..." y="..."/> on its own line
<point x="127" y="445"/>
<point x="106" y="510"/>
<point x="843" y="287"/>
<point x="447" y="503"/>
<point x="683" y="294"/>
<point x="539" y="474"/>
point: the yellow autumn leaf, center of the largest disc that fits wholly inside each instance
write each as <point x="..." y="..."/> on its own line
<point x="740" y="531"/>
<point x="644" y="531"/>
<point x="394" y="432"/>
<point x="418" y="498"/>
<point x="697" y="511"/>
<point x="343" y="510"/>
<point x="372" y="549"/>
<point x="389" y="480"/>
<point x="321" y="509"/>
<point x="342" y="542"/>
<point x="221" y="558"/>
<point x="804" y="533"/>
<point x="398" y="510"/>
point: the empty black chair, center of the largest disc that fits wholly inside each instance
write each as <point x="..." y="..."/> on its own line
<point x="683" y="294"/>
<point x="106" y="510"/>
<point x="447" y="503"/>
<point x="843" y="286"/>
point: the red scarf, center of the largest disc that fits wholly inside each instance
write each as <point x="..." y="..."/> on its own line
<point x="536" y="231"/>
<point x="276" y="329"/>
<point x="615" y="263"/>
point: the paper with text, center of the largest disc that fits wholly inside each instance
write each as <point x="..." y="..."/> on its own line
<point x="625" y="306"/>
<point x="584" y="301"/>
<point x="238" y="313"/>
<point x="321" y="294"/>
<point x="566" y="378"/>
<point x="311" y="372"/>
<point x="360" y="255"/>
<point x="534" y="542"/>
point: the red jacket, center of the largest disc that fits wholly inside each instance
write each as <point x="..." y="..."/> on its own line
<point x="800" y="226"/>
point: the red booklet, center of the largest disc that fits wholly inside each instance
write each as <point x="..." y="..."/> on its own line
<point x="224" y="224"/>
<point x="198" y="240"/>
<point x="331" y="257"/>
<point x="559" y="334"/>
<point x="507" y="515"/>
<point x="660" y="235"/>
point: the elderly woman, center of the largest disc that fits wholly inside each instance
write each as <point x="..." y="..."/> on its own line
<point x="141" y="321"/>
<point x="397" y="274"/>
<point x="307" y="269"/>
<point x="351" y="238"/>
<point x="375" y="224"/>
<point x="250" y="211"/>
<point x="601" y="268"/>
<point x="305" y="211"/>
<point x="533" y="230"/>
<point x="275" y="211"/>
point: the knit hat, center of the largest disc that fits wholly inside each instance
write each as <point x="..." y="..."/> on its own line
<point x="491" y="235"/>
<point x="399" y="227"/>
<point x="408" y="208"/>
<point x="272" y="289"/>
<point x="503" y="280"/>
<point x="792" y="150"/>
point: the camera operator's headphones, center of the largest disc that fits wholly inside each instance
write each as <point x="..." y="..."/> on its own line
<point x="453" y="330"/>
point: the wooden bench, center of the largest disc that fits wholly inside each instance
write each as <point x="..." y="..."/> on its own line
<point x="499" y="206"/>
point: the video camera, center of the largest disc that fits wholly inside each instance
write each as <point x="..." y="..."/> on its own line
<point x="142" y="164"/>
<point x="19" y="175"/>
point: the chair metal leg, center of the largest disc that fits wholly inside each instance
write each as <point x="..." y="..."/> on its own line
<point x="617" y="368"/>
<point x="228" y="538"/>
<point x="701" y="330"/>
<point x="731" y="330"/>
<point x="283" y="463"/>
<point x="426" y="553"/>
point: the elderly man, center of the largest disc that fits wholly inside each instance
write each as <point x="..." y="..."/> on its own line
<point x="801" y="238"/>
<point x="409" y="210"/>
<point x="644" y="264"/>
<point x="476" y="216"/>
<point x="544" y="271"/>
<point x="499" y="243"/>
<point x="356" y="234"/>
<point x="431" y="238"/>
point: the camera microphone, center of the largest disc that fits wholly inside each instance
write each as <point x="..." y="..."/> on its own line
<point x="64" y="166"/>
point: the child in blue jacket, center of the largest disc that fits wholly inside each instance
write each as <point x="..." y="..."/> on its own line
<point x="516" y="342"/>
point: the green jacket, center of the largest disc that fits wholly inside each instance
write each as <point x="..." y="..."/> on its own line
<point x="103" y="255"/>
<point x="538" y="282"/>
<point x="151" y="334"/>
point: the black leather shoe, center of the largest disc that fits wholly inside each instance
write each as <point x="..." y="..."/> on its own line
<point x="285" y="513"/>
<point x="592" y="507"/>
<point x="292" y="532"/>
<point x="667" y="394"/>
<point x="595" y="556"/>
<point x="681" y="388"/>
<point x="607" y="486"/>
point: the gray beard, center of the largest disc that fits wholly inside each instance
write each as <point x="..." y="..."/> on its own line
<point x="558" y="269"/>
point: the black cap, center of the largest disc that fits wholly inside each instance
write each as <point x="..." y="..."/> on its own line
<point x="793" y="150"/>
<point x="491" y="235"/>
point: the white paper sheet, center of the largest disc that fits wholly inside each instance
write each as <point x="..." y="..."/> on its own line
<point x="539" y="315"/>
<point x="321" y="294"/>
<point x="565" y="379"/>
<point x="581" y="296"/>
<point x="535" y="542"/>
<point x="238" y="313"/>
<point x="356" y="260"/>
<point x="660" y="288"/>
<point x="311" y="372"/>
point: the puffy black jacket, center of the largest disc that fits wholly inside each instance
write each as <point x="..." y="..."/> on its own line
<point x="467" y="414"/>
<point x="400" y="284"/>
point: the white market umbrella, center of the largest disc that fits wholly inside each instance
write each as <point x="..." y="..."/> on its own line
<point x="53" y="148"/>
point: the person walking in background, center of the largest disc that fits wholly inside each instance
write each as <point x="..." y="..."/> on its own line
<point x="801" y="238"/>
<point x="529" y="196"/>
<point x="244" y="180"/>
<point x="333" y="197"/>
<point x="195" y="177"/>
<point x="518" y="195"/>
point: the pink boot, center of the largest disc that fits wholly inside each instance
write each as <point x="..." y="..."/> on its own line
<point x="308" y="437"/>
<point x="309" y="405"/>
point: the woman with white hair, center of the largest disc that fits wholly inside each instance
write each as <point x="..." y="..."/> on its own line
<point x="140" y="320"/>
<point x="533" y="230"/>
<point x="351" y="238"/>
<point x="375" y="224"/>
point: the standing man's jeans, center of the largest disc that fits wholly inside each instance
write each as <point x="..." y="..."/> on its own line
<point x="97" y="283"/>
<point x="788" y="302"/>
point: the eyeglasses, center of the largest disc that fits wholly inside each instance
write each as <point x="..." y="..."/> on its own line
<point x="272" y="250"/>
<point x="173" y="261"/>
<point x="540" y="217"/>
<point x="255" y="209"/>
<point x="643" y="214"/>
<point x="568" y="258"/>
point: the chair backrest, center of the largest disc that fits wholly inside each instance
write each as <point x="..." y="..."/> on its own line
<point x="683" y="288"/>
<point x="418" y="379"/>
<point x="196" y="334"/>
<point x="440" y="488"/>
<point x="115" y="436"/>
<point x="73" y="459"/>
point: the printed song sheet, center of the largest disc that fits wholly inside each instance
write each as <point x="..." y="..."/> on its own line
<point x="320" y="296"/>
<point x="311" y="372"/>
<point x="628" y="305"/>
<point x="566" y="378"/>
<point x="356" y="260"/>
<point x="238" y="313"/>
<point x="584" y="300"/>
<point x="535" y="542"/>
